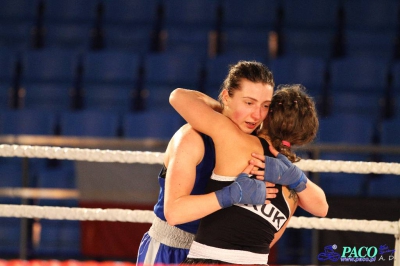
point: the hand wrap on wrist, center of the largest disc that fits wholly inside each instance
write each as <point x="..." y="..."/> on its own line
<point x="243" y="190"/>
<point x="281" y="171"/>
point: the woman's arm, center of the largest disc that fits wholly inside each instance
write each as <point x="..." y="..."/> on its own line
<point x="185" y="151"/>
<point x="312" y="199"/>
<point x="198" y="110"/>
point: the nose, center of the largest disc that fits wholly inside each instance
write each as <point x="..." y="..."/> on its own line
<point x="256" y="114"/>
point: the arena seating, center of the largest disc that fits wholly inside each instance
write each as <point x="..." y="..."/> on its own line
<point x="100" y="68"/>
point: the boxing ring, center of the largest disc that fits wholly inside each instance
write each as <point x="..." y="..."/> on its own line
<point x="143" y="216"/>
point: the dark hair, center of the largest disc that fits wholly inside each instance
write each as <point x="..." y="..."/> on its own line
<point x="251" y="70"/>
<point x="292" y="117"/>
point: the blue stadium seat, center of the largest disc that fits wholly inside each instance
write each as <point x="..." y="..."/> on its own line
<point x="70" y="12"/>
<point x="25" y="122"/>
<point x="389" y="135"/>
<point x="256" y="14"/>
<point x="4" y="96"/>
<point x="17" y="17"/>
<point x="251" y="42"/>
<point x="305" y="70"/>
<point x="372" y="16"/>
<point x="128" y="24"/>
<point x="56" y="178"/>
<point x="187" y="25"/>
<point x="397" y="105"/>
<point x="167" y="71"/>
<point x="28" y="122"/>
<point x="51" y="97"/>
<point x="188" y="41"/>
<point x="18" y="10"/>
<point x="68" y="23"/>
<point x="130" y="39"/>
<point x="111" y="68"/>
<point x="386" y="185"/>
<point x="89" y="123"/>
<point x="7" y="65"/>
<point x="217" y="69"/>
<point x="157" y="98"/>
<point x="151" y="124"/>
<point x="16" y="36"/>
<point x="68" y="36"/>
<point x="7" y="69"/>
<point x="395" y="88"/>
<point x="396" y="76"/>
<point x="357" y="103"/>
<point x="11" y="175"/>
<point x="48" y="76"/>
<point x="114" y="98"/>
<point x="49" y="65"/>
<point x="363" y="76"/>
<point x="10" y="231"/>
<point x="59" y="238"/>
<point x="311" y="14"/>
<point x="109" y="79"/>
<point x="130" y="12"/>
<point x="190" y="14"/>
<point x="359" y="74"/>
<point x="378" y="44"/>
<point x="62" y="178"/>
<point x="318" y="43"/>
<point x="351" y="130"/>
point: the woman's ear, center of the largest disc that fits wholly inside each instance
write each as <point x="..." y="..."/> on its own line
<point x="225" y="96"/>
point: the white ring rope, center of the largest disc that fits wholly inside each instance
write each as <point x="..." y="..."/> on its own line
<point x="145" y="216"/>
<point x="96" y="155"/>
<point x="80" y="214"/>
<point x="92" y="155"/>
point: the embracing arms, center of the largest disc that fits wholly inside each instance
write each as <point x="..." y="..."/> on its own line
<point x="311" y="197"/>
<point x="184" y="152"/>
<point x="198" y="110"/>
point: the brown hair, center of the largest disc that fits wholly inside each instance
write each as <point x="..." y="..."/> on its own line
<point x="251" y="70"/>
<point x="292" y="117"/>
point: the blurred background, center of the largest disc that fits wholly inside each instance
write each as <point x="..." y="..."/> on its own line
<point x="103" y="70"/>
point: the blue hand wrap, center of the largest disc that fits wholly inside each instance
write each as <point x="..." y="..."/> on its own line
<point x="274" y="169"/>
<point x="299" y="185"/>
<point x="282" y="171"/>
<point x="243" y="190"/>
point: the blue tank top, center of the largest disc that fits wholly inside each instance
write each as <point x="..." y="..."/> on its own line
<point x="203" y="172"/>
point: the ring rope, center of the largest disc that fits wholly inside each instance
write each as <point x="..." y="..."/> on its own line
<point x="146" y="216"/>
<point x="97" y="155"/>
<point x="92" y="155"/>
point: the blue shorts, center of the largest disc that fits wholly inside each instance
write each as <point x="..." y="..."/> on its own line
<point x="153" y="252"/>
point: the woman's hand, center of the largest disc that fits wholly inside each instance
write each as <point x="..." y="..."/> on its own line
<point x="271" y="190"/>
<point x="258" y="162"/>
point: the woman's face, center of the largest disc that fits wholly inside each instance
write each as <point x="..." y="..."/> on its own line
<point x="248" y="107"/>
